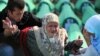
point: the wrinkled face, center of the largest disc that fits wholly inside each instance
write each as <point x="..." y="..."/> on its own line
<point x="17" y="14"/>
<point x="52" y="28"/>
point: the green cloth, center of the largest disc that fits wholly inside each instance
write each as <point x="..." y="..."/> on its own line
<point x="44" y="10"/>
<point x="2" y="6"/>
<point x="66" y="13"/>
<point x="5" y="1"/>
<point x="44" y="7"/>
<point x="80" y="2"/>
<point x="30" y="4"/>
<point x="59" y="3"/>
<point x="34" y="1"/>
<point x="74" y="32"/>
<point x="97" y="4"/>
<point x="87" y="13"/>
<point x="49" y="3"/>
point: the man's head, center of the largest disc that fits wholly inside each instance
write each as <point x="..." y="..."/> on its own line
<point x="15" y="9"/>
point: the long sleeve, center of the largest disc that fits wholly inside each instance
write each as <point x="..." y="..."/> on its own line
<point x="36" y="21"/>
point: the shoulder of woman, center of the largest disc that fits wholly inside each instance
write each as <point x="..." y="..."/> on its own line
<point x="35" y="28"/>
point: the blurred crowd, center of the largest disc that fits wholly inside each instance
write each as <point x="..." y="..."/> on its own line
<point x="49" y="27"/>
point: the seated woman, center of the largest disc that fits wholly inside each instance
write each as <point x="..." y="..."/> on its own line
<point x="47" y="40"/>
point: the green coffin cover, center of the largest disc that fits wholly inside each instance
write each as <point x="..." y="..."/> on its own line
<point x="59" y="3"/>
<point x="30" y="6"/>
<point x="87" y="13"/>
<point x="5" y="1"/>
<point x="44" y="8"/>
<point x="80" y="2"/>
<point x="3" y="4"/>
<point x="66" y="13"/>
<point x="97" y="4"/>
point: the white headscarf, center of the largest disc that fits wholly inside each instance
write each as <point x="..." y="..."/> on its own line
<point x="93" y="26"/>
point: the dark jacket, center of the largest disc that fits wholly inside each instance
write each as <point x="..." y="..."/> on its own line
<point x="28" y="20"/>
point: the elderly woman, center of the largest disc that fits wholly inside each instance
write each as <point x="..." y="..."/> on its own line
<point x="92" y="35"/>
<point x="47" y="40"/>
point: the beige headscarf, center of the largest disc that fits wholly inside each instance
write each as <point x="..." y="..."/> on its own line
<point x="50" y="17"/>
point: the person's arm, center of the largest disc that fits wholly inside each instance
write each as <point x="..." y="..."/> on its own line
<point x="7" y="34"/>
<point x="8" y="30"/>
